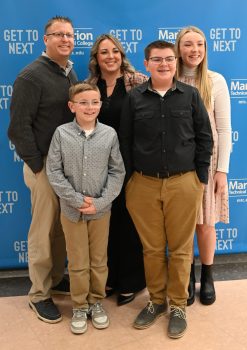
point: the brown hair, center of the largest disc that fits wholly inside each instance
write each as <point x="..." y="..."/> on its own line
<point x="81" y="87"/>
<point x="57" y="19"/>
<point x="93" y="63"/>
<point x="203" y="81"/>
<point x="158" y="44"/>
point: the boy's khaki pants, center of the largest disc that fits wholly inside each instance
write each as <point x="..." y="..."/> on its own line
<point x="164" y="212"/>
<point x="86" y="244"/>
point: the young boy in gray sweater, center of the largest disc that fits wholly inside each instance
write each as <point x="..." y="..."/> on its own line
<point x="86" y="170"/>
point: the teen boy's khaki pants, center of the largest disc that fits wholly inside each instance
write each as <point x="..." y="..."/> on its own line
<point x="164" y="212"/>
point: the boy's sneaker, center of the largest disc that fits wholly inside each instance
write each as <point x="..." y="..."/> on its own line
<point x="149" y="315"/>
<point x="99" y="317"/>
<point x="79" y="321"/>
<point x="63" y="287"/>
<point x="177" y="322"/>
<point x="46" y="311"/>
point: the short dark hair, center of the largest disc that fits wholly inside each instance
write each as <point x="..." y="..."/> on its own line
<point x="81" y="87"/>
<point x="158" y="44"/>
<point x="57" y="19"/>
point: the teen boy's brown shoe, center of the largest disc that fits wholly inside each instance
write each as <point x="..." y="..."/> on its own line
<point x="149" y="315"/>
<point x="177" y="322"/>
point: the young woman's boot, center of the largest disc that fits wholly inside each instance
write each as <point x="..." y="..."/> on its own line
<point x="207" y="291"/>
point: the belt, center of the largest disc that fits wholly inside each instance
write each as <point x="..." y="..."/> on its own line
<point x="161" y="175"/>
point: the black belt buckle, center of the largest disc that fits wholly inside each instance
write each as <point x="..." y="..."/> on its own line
<point x="162" y="175"/>
<point x="156" y="175"/>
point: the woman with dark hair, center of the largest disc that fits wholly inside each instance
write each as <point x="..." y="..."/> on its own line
<point x="112" y="72"/>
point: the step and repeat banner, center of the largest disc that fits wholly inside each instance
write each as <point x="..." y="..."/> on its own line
<point x="135" y="24"/>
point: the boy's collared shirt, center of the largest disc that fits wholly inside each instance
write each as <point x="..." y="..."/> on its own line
<point x="79" y="166"/>
<point x="168" y="134"/>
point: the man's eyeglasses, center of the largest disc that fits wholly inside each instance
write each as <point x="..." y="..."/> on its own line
<point x="159" y="60"/>
<point x="60" y="35"/>
<point x="93" y="103"/>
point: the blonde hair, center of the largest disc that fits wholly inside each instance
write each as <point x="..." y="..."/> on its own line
<point x="203" y="81"/>
<point x="93" y="62"/>
<point x="81" y="87"/>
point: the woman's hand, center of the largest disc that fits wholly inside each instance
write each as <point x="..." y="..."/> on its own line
<point x="220" y="182"/>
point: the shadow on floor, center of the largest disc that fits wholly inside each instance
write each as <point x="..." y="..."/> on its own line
<point x="226" y="268"/>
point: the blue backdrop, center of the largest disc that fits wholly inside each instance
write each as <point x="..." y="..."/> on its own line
<point x="135" y="24"/>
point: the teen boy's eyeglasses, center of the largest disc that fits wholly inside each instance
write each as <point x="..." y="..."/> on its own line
<point x="60" y="35"/>
<point x="159" y="60"/>
<point x="95" y="104"/>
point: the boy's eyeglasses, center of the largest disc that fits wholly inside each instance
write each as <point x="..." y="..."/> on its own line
<point x="159" y="60"/>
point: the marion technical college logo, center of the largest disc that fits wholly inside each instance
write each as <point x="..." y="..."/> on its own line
<point x="84" y="39"/>
<point x="238" y="190"/>
<point x="168" y="33"/>
<point x="239" y="90"/>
